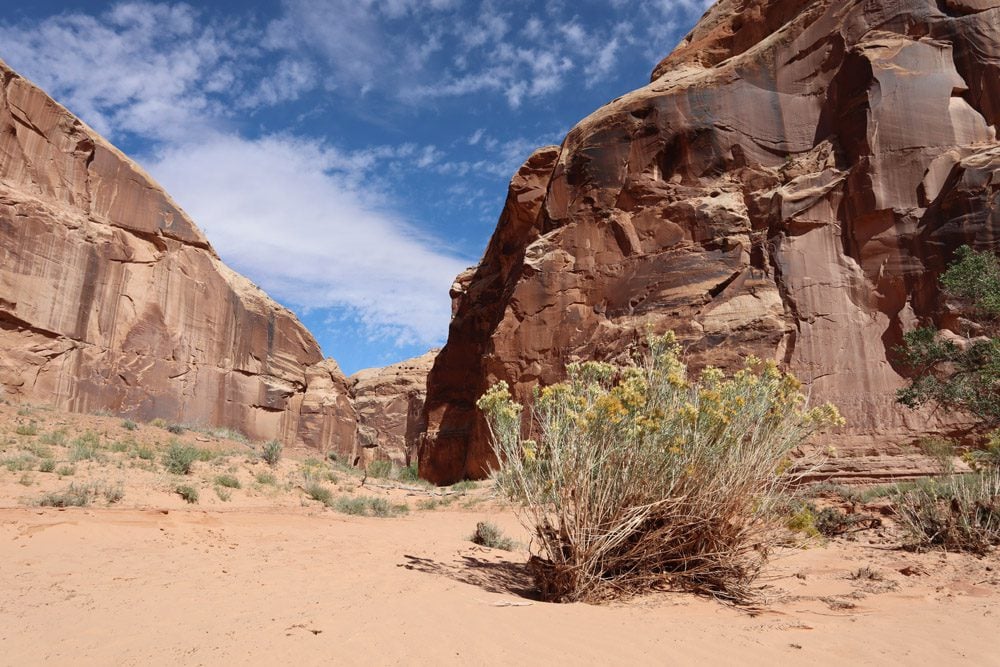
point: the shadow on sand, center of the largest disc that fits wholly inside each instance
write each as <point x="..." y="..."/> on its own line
<point x="492" y="576"/>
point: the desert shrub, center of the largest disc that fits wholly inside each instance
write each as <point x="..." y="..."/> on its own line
<point x="489" y="535"/>
<point x="316" y="491"/>
<point x="187" y="492"/>
<point x="224" y="494"/>
<point x="941" y="450"/>
<point x="641" y="477"/>
<point x="267" y="478"/>
<point x="958" y="513"/>
<point x="368" y="506"/>
<point x="803" y="520"/>
<point x="145" y="452"/>
<point x="228" y="481"/>
<point x="77" y="495"/>
<point x="986" y="457"/>
<point x="159" y="422"/>
<point x="46" y="465"/>
<point x="960" y="377"/>
<point x="409" y="473"/>
<point x="19" y="463"/>
<point x="85" y="447"/>
<point x="271" y="452"/>
<point x="427" y="504"/>
<point x="380" y="469"/>
<point x="463" y="486"/>
<point x="57" y="438"/>
<point x="31" y="428"/>
<point x="179" y="458"/>
<point x="226" y="434"/>
<point x="114" y="494"/>
<point x="66" y="470"/>
<point x="129" y="425"/>
<point x="120" y="446"/>
<point x="176" y="429"/>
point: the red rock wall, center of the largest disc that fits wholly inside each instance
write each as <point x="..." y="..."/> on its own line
<point x="111" y="298"/>
<point x="790" y="184"/>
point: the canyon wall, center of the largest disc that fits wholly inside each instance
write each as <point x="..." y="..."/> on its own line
<point x="790" y="184"/>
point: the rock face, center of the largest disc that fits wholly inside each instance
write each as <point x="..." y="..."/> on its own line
<point x="790" y="184"/>
<point x="389" y="403"/>
<point x="111" y="298"/>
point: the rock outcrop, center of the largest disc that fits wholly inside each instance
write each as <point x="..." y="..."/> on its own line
<point x="389" y="403"/>
<point x="790" y="184"/>
<point x="111" y="298"/>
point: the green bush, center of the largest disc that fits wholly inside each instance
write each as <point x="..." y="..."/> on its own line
<point x="958" y="513"/>
<point x="187" y="492"/>
<point x="368" y="506"/>
<point x="180" y="459"/>
<point x="380" y="469"/>
<point x="228" y="481"/>
<point x="47" y="465"/>
<point x="489" y="535"/>
<point x="409" y="473"/>
<point x="316" y="491"/>
<point x="271" y="452"/>
<point x="30" y="428"/>
<point x="85" y="447"/>
<point x="66" y="471"/>
<point x="266" y="478"/>
<point x="57" y="438"/>
<point x="77" y="495"/>
<point x="129" y="425"/>
<point x="176" y="429"/>
<point x="640" y="476"/>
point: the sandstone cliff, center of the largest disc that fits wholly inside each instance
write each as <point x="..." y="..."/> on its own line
<point x="790" y="184"/>
<point x="111" y="298"/>
<point x="389" y="403"/>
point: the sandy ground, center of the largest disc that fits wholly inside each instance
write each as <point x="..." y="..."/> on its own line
<point x="136" y="587"/>
<point x="265" y="575"/>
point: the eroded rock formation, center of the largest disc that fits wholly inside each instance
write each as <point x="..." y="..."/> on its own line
<point x="111" y="298"/>
<point x="790" y="184"/>
<point x="389" y="402"/>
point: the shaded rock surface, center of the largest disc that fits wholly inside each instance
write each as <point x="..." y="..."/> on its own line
<point x="790" y="184"/>
<point x="111" y="298"/>
<point x="389" y="402"/>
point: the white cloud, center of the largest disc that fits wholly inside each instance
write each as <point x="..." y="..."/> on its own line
<point x="291" y="214"/>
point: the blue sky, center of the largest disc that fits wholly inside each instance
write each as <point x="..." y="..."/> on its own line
<point x="349" y="156"/>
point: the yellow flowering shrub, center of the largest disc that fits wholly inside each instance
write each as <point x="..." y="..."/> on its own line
<point x="640" y="476"/>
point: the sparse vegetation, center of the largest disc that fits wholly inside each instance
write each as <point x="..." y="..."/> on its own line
<point x="409" y="473"/>
<point x="489" y="535"/>
<point x="129" y="425"/>
<point x="228" y="481"/>
<point x="271" y="452"/>
<point x="180" y="459"/>
<point x="224" y="494"/>
<point x="158" y="423"/>
<point x="19" y="463"/>
<point x="31" y="428"/>
<point x="380" y="469"/>
<point x="640" y="476"/>
<point x="958" y="513"/>
<point x="47" y="465"/>
<point x="77" y="495"/>
<point x="85" y="447"/>
<point x="176" y="429"/>
<point x="66" y="470"/>
<point x="187" y="492"/>
<point x="316" y="491"/>
<point x="368" y="506"/>
<point x="56" y="438"/>
<point x="267" y="478"/>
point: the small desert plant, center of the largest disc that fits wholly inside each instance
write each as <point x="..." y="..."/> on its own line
<point x="228" y="481"/>
<point x="19" y="463"/>
<point x="380" y="469"/>
<point x="224" y="494"/>
<point x="409" y="473"/>
<point x="85" y="447"/>
<point x="129" y="425"/>
<point x="27" y="479"/>
<point x="941" y="450"/>
<point x="463" y="486"/>
<point x="316" y="491"/>
<point x="57" y="438"/>
<point x="427" y="504"/>
<point x="145" y="452"/>
<point x="159" y="422"/>
<point x="114" y="494"/>
<point x="47" y="465"/>
<point x="267" y="478"/>
<point x="187" y="492"/>
<point x="179" y="458"/>
<point x="489" y="535"/>
<point x="960" y="513"/>
<point x="77" y="495"/>
<point x="66" y="470"/>
<point x="271" y="452"/>
<point x="367" y="506"/>
<point x="226" y="433"/>
<point x="176" y="429"/>
<point x="31" y="428"/>
<point x="641" y="477"/>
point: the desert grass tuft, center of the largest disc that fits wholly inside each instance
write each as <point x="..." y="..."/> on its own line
<point x="489" y="535"/>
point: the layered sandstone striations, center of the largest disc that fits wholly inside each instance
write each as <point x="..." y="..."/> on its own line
<point x="389" y="403"/>
<point x="111" y="298"/>
<point x="790" y="184"/>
